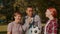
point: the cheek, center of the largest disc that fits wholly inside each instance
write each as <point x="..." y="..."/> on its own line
<point x="47" y="14"/>
<point x="19" y="18"/>
<point x="27" y="12"/>
<point x="31" y="12"/>
<point x="15" y="17"/>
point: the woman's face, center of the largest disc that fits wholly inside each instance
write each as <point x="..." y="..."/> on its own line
<point x="47" y="13"/>
<point x="18" y="17"/>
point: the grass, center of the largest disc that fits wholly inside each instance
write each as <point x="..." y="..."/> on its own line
<point x="3" y="32"/>
<point x="3" y="29"/>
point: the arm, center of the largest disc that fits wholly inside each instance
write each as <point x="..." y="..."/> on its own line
<point x="9" y="28"/>
<point x="8" y="32"/>
<point x="25" y="26"/>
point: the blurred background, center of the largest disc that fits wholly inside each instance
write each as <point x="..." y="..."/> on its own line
<point x="7" y="7"/>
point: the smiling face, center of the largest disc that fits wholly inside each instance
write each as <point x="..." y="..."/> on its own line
<point x="18" y="17"/>
<point x="29" y="11"/>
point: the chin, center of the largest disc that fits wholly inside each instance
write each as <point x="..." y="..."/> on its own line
<point x="47" y="16"/>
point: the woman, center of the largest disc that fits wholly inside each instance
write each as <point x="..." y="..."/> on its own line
<point x="16" y="27"/>
<point x="51" y="25"/>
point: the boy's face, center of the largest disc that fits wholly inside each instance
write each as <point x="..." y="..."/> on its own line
<point x="17" y="17"/>
<point x="29" y="11"/>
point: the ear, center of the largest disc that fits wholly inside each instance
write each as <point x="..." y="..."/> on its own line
<point x="52" y="13"/>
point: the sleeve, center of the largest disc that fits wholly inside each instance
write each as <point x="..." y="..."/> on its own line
<point x="37" y="19"/>
<point x="54" y="28"/>
<point x="25" y="26"/>
<point x="9" y="28"/>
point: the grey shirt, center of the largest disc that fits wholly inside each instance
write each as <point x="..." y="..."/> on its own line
<point x="37" y="20"/>
<point x="15" y="28"/>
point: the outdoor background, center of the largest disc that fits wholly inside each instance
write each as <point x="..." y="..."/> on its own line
<point x="7" y="7"/>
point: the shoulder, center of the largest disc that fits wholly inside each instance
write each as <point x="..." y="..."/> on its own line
<point x="37" y="16"/>
<point x="54" y="22"/>
<point x="10" y="24"/>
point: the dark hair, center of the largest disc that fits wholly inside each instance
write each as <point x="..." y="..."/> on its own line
<point x="17" y="12"/>
<point x="29" y="7"/>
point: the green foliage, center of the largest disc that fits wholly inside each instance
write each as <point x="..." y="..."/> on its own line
<point x="39" y="6"/>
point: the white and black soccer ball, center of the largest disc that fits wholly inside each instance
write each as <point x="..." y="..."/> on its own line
<point x="34" y="30"/>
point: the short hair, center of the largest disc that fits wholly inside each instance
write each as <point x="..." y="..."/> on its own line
<point x="17" y="12"/>
<point x="29" y="7"/>
<point x="53" y="10"/>
<point x="14" y="14"/>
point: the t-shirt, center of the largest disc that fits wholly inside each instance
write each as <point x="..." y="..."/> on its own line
<point x="14" y="28"/>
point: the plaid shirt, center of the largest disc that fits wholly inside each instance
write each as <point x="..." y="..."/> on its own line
<point x="51" y="28"/>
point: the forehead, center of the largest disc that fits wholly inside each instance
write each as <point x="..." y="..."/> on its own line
<point x="29" y="8"/>
<point x="18" y="14"/>
<point x="48" y="10"/>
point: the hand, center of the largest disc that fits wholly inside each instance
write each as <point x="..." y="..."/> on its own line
<point x="29" y="20"/>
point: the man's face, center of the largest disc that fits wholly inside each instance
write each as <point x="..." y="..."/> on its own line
<point x="29" y="11"/>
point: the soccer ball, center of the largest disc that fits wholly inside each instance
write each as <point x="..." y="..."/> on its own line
<point x="34" y="30"/>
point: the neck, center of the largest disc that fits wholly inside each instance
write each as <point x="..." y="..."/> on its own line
<point x="29" y="15"/>
<point x="51" y="17"/>
<point x="16" y="21"/>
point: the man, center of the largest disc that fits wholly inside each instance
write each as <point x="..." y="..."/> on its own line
<point x="35" y="19"/>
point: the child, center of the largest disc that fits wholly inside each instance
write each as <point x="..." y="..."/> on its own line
<point x="15" y="27"/>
